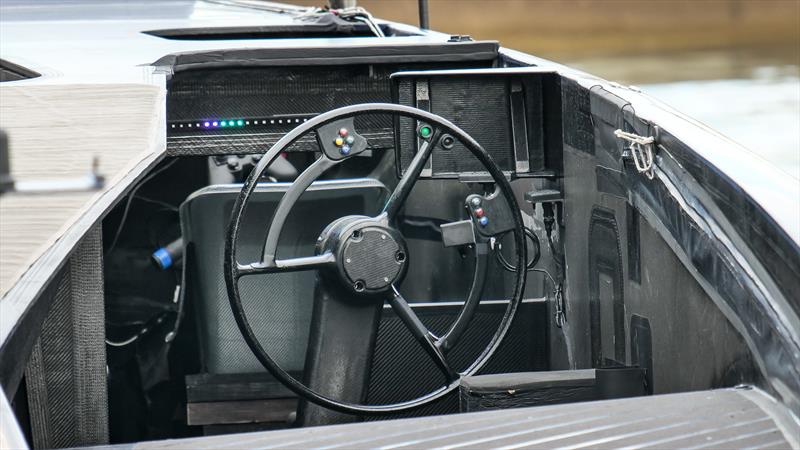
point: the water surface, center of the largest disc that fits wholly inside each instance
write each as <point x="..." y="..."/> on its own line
<point x="750" y="96"/>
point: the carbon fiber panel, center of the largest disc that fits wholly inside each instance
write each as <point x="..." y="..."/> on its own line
<point x="401" y="370"/>
<point x="256" y="143"/>
<point x="478" y="105"/>
<point x="200" y="95"/>
<point x="578" y="128"/>
<point x="66" y="374"/>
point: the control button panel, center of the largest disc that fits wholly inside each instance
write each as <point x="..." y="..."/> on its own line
<point x="338" y="139"/>
<point x="490" y="214"/>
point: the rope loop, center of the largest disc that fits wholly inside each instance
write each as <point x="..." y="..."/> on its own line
<point x="641" y="148"/>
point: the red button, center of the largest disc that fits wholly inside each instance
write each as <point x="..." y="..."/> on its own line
<point x="479" y="212"/>
<point x="343" y="132"/>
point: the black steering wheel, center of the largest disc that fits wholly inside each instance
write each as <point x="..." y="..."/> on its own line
<point x="367" y="256"/>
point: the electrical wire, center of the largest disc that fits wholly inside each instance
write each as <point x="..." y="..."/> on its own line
<point x="166" y="206"/>
<point x="145" y="329"/>
<point x="131" y="196"/>
<point x="560" y="314"/>
<point x="535" y="260"/>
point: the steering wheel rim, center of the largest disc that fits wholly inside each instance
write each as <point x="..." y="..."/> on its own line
<point x="234" y="271"/>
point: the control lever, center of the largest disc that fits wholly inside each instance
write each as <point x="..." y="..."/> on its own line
<point x="458" y="233"/>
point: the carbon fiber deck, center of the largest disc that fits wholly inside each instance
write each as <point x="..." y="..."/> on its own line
<point x="730" y="418"/>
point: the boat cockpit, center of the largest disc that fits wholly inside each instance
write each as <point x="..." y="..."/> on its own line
<point x="406" y="228"/>
<point x="339" y="241"/>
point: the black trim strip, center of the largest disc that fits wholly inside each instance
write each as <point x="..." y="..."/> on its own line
<point x="340" y="55"/>
<point x="14" y="72"/>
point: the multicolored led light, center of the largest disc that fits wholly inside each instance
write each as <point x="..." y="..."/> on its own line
<point x="210" y="124"/>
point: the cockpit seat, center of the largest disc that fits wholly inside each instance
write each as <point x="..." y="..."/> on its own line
<point x="279" y="304"/>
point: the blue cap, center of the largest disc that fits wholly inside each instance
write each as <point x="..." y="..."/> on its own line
<point x="162" y="258"/>
<point x="483" y="221"/>
<point x="345" y="149"/>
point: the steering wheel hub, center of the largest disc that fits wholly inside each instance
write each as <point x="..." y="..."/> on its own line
<point x="372" y="258"/>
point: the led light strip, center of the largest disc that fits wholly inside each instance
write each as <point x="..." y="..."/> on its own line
<point x="216" y="124"/>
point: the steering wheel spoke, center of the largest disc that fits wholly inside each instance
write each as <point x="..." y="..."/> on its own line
<point x="406" y="184"/>
<point x="427" y="340"/>
<point x="287" y="265"/>
<point x="461" y="323"/>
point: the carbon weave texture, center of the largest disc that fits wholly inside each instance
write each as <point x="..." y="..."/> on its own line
<point x="372" y="260"/>
<point x="199" y="95"/>
<point x="477" y="105"/>
<point x="66" y="374"/>
<point x="401" y="370"/>
<point x="239" y="143"/>
<point x="578" y="128"/>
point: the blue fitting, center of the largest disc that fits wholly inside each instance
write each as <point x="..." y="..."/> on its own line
<point x="162" y="258"/>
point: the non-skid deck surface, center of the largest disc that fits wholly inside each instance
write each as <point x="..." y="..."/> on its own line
<point x="55" y="131"/>
<point x="709" y="419"/>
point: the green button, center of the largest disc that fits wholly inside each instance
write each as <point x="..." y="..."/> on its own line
<point x="425" y="131"/>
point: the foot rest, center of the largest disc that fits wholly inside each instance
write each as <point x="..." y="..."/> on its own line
<point x="248" y="398"/>
<point x="514" y="390"/>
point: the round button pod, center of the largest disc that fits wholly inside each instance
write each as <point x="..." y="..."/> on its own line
<point x="350" y="140"/>
<point x="476" y="201"/>
<point x="484" y="221"/>
<point x="479" y="212"/>
<point x="343" y="132"/>
<point x="447" y="142"/>
<point x="345" y="149"/>
<point x="338" y="142"/>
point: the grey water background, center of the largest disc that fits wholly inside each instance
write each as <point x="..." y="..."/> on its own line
<point x="751" y="97"/>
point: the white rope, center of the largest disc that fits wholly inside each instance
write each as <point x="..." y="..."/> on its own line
<point x="641" y="148"/>
<point x="356" y="13"/>
<point x="361" y="14"/>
